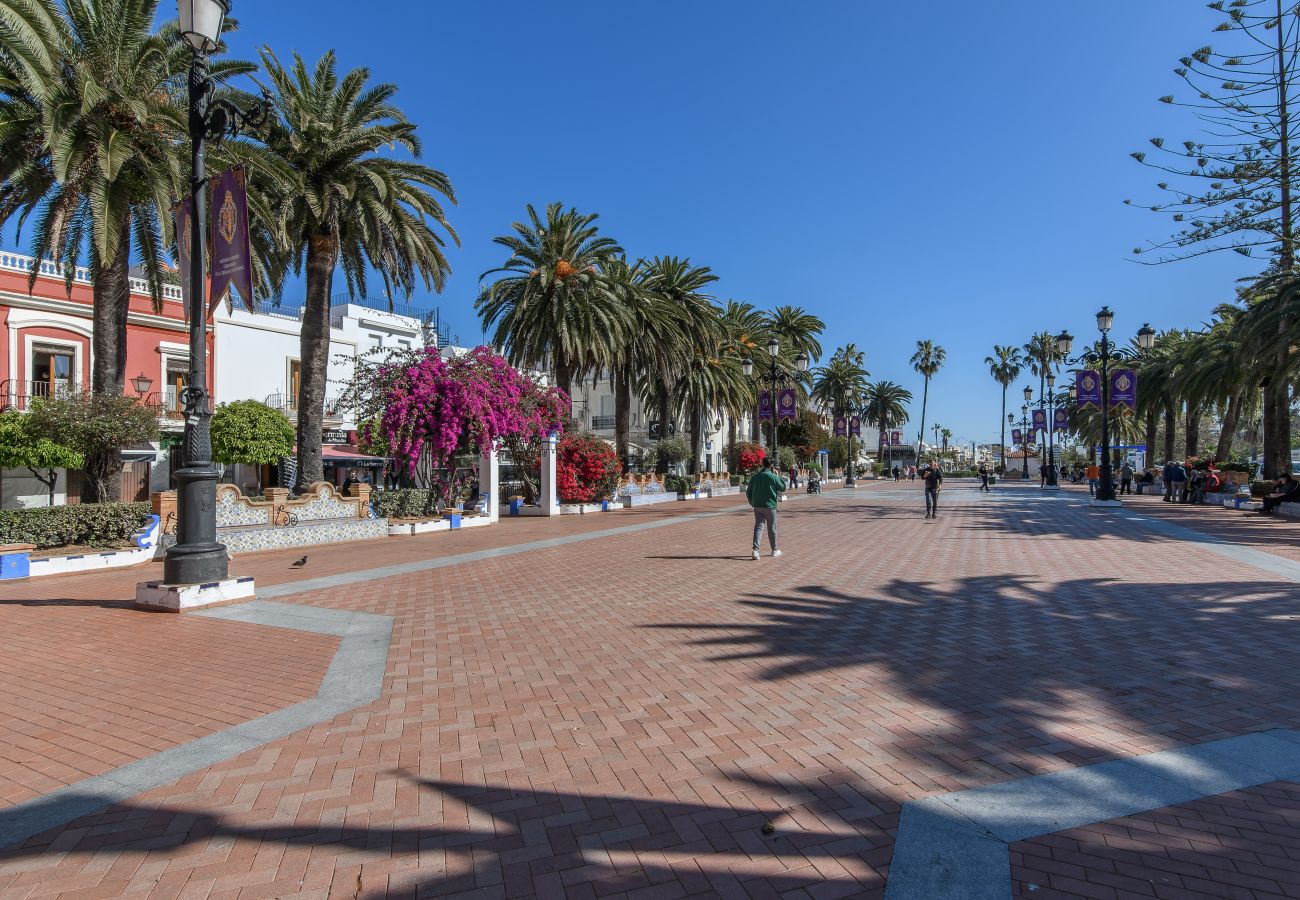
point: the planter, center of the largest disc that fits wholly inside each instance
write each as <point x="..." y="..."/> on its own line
<point x="580" y="509"/>
<point x="21" y="565"/>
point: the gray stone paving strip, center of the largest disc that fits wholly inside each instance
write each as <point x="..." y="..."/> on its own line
<point x="354" y="678"/>
<point x="954" y="845"/>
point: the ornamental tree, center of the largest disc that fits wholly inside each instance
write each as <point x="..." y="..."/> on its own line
<point x="22" y="447"/>
<point x="251" y="433"/>
<point x="749" y="456"/>
<point x="430" y="408"/>
<point x="586" y="469"/>
<point x="99" y="427"/>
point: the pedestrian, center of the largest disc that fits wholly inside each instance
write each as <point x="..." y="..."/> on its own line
<point x="933" y="482"/>
<point x="898" y="474"/>
<point x="1175" y="483"/>
<point x="1126" y="478"/>
<point x="794" y="477"/>
<point x="764" y="493"/>
<point x="1093" y="474"/>
<point x="911" y="473"/>
<point x="984" y="478"/>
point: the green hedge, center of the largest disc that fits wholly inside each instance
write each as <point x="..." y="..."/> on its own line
<point x="1260" y="489"/>
<point x="91" y="524"/>
<point x="679" y="484"/>
<point x="403" y="503"/>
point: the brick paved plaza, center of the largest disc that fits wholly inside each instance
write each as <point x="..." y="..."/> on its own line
<point x="618" y="705"/>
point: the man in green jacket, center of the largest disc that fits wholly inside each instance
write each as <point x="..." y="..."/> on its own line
<point x="764" y="493"/>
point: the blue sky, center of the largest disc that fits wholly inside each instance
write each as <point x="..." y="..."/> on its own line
<point x="956" y="175"/>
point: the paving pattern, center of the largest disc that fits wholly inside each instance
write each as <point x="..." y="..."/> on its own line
<point x="653" y="714"/>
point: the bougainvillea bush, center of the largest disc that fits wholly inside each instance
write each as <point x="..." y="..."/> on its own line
<point x="427" y="409"/>
<point x="749" y="456"/>
<point x="586" y="469"/>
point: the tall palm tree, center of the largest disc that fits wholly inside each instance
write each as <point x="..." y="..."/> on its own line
<point x="797" y="330"/>
<point x="550" y="301"/>
<point x="1042" y="358"/>
<point x="89" y="146"/>
<point x="709" y="381"/>
<point x="680" y="284"/>
<point x="1004" y="365"/>
<point x="648" y="340"/>
<point x="745" y="332"/>
<point x="927" y="360"/>
<point x="841" y="384"/>
<point x="886" y="406"/>
<point x="348" y="207"/>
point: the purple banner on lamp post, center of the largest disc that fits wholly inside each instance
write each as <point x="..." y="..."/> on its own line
<point x="896" y="438"/>
<point x="1039" y="420"/>
<point x="232" y="261"/>
<point x="1061" y="420"/>
<point x="1123" y="388"/>
<point x="855" y="426"/>
<point x="1015" y="435"/>
<point x="765" y="406"/>
<point x="841" y="426"/>
<point x="785" y="404"/>
<point x="1088" y="385"/>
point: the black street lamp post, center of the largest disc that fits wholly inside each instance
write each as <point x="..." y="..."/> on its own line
<point x="775" y="377"/>
<point x="849" y="480"/>
<point x="197" y="557"/>
<point x="1024" y="431"/>
<point x="1103" y="356"/>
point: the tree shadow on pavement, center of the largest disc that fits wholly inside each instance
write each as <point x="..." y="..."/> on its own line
<point x="1013" y="675"/>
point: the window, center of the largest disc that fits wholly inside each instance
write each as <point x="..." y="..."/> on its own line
<point x="178" y="377"/>
<point x="295" y="382"/>
<point x="52" y="371"/>
<point x="404" y="344"/>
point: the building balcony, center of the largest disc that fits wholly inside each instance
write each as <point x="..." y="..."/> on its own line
<point x="19" y="395"/>
<point x="287" y="403"/>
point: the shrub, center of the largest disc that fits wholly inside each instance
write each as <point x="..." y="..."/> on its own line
<point x="91" y="524"/>
<point x="1235" y="467"/>
<point x="586" y="469"/>
<point x="1260" y="488"/>
<point x="679" y="484"/>
<point x="785" y="459"/>
<point x="815" y="469"/>
<point x="404" y="503"/>
<point x="749" y="456"/>
<point x="672" y="450"/>
<point x="250" y="432"/>
<point x="97" y="426"/>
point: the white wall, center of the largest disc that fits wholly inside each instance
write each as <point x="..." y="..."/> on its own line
<point x="19" y="490"/>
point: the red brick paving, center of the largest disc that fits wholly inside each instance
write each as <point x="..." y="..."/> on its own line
<point x="1244" y="844"/>
<point x="86" y="688"/>
<point x="622" y="716"/>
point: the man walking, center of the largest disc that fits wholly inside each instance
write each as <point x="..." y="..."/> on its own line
<point x="764" y="492"/>
<point x="1126" y="478"/>
<point x="984" y="478"/>
<point x="1093" y="474"/>
<point x="933" y="481"/>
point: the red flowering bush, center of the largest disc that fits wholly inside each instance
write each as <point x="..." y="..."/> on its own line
<point x="586" y="469"/>
<point x="749" y="456"/>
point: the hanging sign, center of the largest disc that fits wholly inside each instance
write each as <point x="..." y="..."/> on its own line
<point x="1123" y="388"/>
<point x="183" y="213"/>
<point x="841" y="426"/>
<point x="785" y="404"/>
<point x="232" y="260"/>
<point x="765" y="406"/>
<point x="1015" y="435"/>
<point x="1088" y="385"/>
<point x="1039" y="420"/>
<point x="855" y="426"/>
<point x="1061" y="420"/>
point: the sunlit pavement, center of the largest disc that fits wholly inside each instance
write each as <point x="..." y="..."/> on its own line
<point x="653" y="714"/>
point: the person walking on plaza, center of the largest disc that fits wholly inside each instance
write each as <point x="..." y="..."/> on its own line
<point x="764" y="493"/>
<point x="984" y="478"/>
<point x="1093" y="474"/>
<point x="933" y="481"/>
<point x="1126" y="478"/>
<point x="1175" y="482"/>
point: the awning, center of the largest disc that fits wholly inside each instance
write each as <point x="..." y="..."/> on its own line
<point x="348" y="455"/>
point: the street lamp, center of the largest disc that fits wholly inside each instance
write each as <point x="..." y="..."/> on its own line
<point x="1024" y="430"/>
<point x="1103" y="356"/>
<point x="775" y="376"/>
<point x="197" y="557"/>
<point x="142" y="383"/>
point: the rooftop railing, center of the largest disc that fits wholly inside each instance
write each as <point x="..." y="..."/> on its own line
<point x="21" y="262"/>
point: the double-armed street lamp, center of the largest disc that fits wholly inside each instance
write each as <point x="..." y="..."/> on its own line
<point x="1048" y="403"/>
<point x="775" y="376"/>
<point x="197" y="557"/>
<point x="1024" y="431"/>
<point x="1105" y="353"/>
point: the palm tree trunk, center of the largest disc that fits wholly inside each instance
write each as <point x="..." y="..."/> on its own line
<point x="697" y="436"/>
<point x="1170" y="425"/>
<point x="1003" y="421"/>
<point x="1229" y="430"/>
<point x="925" y="398"/>
<point x="622" y="414"/>
<point x="732" y="434"/>
<point x="314" y="351"/>
<point x="564" y="379"/>
<point x="1151" y="437"/>
<point x="1277" y="423"/>
<point x="664" y="403"/>
<point x="1192" y="439"/>
<point x="112" y="298"/>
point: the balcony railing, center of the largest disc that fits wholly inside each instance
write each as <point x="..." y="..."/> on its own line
<point x="15" y="394"/>
<point x="292" y="313"/>
<point x="20" y="262"/>
<point x="287" y="403"/>
<point x="167" y="402"/>
<point x="602" y="423"/>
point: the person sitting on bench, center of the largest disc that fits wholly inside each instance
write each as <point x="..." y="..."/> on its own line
<point x="1287" y="490"/>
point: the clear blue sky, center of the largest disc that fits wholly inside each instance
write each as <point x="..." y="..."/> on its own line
<point x="957" y="176"/>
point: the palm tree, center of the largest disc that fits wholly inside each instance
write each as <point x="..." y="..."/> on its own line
<point x="841" y="384"/>
<point x="797" y="330"/>
<point x="89" y="145"/>
<point x="1042" y="357"/>
<point x="886" y="405"/>
<point x="745" y="331"/>
<point x="348" y="207"/>
<point x="1004" y="365"/>
<point x="680" y="285"/>
<point x="651" y="334"/>
<point x="927" y="360"/>
<point x="709" y="381"/>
